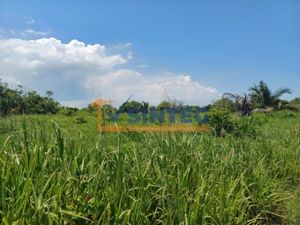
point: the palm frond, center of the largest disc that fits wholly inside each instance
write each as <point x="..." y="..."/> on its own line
<point x="230" y="96"/>
<point x="281" y="92"/>
<point x="124" y="104"/>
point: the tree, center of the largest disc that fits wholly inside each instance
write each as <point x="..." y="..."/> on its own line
<point x="145" y="107"/>
<point x="109" y="109"/>
<point x="164" y="105"/>
<point x="15" y="101"/>
<point x="49" y="93"/>
<point x="262" y="96"/>
<point x="9" y="99"/>
<point x="242" y="103"/>
<point x="225" y="104"/>
<point x="131" y="106"/>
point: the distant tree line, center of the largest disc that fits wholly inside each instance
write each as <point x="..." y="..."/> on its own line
<point x="17" y="101"/>
<point x="259" y="98"/>
<point x="144" y="107"/>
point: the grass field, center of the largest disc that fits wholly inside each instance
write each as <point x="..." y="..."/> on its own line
<point x="54" y="170"/>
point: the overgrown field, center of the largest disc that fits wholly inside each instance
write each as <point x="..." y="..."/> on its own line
<point x="56" y="170"/>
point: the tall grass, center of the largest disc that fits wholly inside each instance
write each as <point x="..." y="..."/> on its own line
<point x="47" y="176"/>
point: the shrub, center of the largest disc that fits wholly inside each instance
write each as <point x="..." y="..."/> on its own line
<point x="81" y="120"/>
<point x="223" y="122"/>
<point x="224" y="104"/>
<point x="220" y="121"/>
<point x="68" y="111"/>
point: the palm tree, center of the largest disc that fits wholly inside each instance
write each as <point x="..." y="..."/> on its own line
<point x="49" y="93"/>
<point x="242" y="103"/>
<point x="262" y="97"/>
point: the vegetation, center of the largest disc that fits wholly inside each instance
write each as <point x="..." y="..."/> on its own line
<point x="224" y="104"/>
<point x="241" y="103"/>
<point x="262" y="96"/>
<point x="57" y="169"/>
<point x="15" y="101"/>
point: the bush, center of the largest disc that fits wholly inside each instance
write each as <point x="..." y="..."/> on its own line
<point x="68" y="111"/>
<point x="223" y="122"/>
<point x="220" y="121"/>
<point x="81" y="120"/>
<point x="224" y="104"/>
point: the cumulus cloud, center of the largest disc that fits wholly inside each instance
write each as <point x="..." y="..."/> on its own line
<point x="78" y="72"/>
<point x="123" y="83"/>
<point x="50" y="53"/>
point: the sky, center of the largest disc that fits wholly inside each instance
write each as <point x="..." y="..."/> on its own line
<point x="191" y="51"/>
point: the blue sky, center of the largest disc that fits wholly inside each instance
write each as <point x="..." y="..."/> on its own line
<point x="219" y="45"/>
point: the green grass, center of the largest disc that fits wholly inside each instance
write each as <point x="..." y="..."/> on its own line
<point x="56" y="171"/>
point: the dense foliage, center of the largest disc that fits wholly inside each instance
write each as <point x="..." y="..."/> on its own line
<point x="16" y="101"/>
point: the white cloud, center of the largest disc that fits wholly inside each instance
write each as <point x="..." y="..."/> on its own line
<point x="123" y="83"/>
<point x="27" y="34"/>
<point x="79" y="72"/>
<point x="35" y="33"/>
<point x="21" y="58"/>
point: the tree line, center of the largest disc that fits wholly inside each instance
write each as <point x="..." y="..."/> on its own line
<point x="259" y="98"/>
<point x="17" y="101"/>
